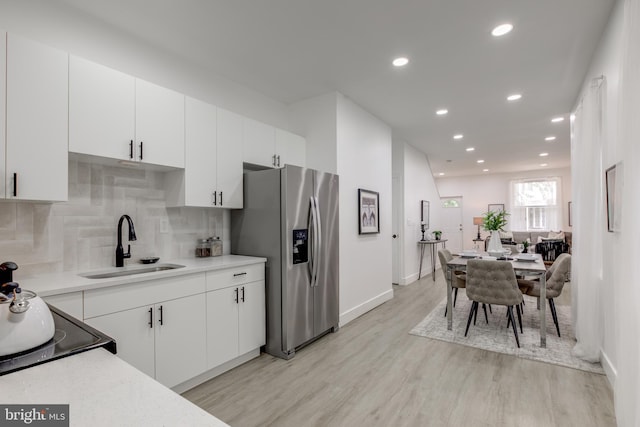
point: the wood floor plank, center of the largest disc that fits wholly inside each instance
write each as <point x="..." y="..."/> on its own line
<point x="372" y="372"/>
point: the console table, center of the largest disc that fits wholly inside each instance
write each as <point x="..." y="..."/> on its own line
<point x="432" y="248"/>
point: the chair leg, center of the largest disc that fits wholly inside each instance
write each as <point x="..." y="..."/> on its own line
<point x="519" y="318"/>
<point x="484" y="307"/>
<point x="513" y="323"/>
<point x="455" y="296"/>
<point x="552" y="305"/>
<point x="474" y="305"/>
<point x="490" y="309"/>
<point x="475" y="314"/>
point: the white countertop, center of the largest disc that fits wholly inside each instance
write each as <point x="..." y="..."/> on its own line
<point x="102" y="390"/>
<point x="71" y="281"/>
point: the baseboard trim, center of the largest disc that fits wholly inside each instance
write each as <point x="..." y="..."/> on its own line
<point x="218" y="370"/>
<point x="368" y="305"/>
<point x="609" y="369"/>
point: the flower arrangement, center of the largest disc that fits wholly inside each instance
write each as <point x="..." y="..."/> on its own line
<point x="494" y="221"/>
<point x="437" y="234"/>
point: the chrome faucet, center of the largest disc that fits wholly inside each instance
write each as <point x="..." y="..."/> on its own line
<point x="120" y="255"/>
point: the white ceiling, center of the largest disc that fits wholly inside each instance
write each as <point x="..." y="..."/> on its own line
<point x="291" y="50"/>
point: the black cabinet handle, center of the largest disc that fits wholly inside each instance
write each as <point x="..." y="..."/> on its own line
<point x="221" y="198"/>
<point x="141" y="142"/>
<point x="273" y="160"/>
<point x="242" y="294"/>
<point x="151" y="317"/>
<point x="215" y="198"/>
<point x="239" y="274"/>
<point x="235" y="291"/>
<point x="15" y="184"/>
<point x="161" y="316"/>
<point x="131" y="149"/>
<point x="278" y="160"/>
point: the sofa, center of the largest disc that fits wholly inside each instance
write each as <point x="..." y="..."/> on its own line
<point x="514" y="237"/>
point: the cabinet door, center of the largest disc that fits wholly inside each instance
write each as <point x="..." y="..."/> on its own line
<point x="290" y="149"/>
<point x="252" y="326"/>
<point x="181" y="350"/>
<point x="200" y="153"/>
<point x="229" y="155"/>
<point x="222" y="326"/>
<point x="159" y="125"/>
<point x="258" y="143"/>
<point x="37" y="120"/>
<point x="3" y="93"/>
<point x="133" y="334"/>
<point x="101" y="110"/>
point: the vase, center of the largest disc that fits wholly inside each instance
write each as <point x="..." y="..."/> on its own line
<point x="495" y="245"/>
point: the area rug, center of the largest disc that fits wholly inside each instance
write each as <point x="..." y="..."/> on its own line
<point x="496" y="337"/>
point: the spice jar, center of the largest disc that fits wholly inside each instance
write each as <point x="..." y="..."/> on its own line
<point x="203" y="248"/>
<point x="216" y="246"/>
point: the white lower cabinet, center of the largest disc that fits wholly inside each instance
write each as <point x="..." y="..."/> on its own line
<point x="235" y="313"/>
<point x="161" y="335"/>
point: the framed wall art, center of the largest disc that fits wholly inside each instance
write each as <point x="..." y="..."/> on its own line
<point x="498" y="207"/>
<point x="612" y="186"/>
<point x="368" y="212"/>
<point x="570" y="215"/>
<point x="424" y="214"/>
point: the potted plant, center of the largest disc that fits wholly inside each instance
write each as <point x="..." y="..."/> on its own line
<point x="494" y="222"/>
<point x="437" y="234"/>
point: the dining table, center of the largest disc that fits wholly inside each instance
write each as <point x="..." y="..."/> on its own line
<point x="527" y="265"/>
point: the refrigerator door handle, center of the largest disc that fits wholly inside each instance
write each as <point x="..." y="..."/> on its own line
<point x="312" y="238"/>
<point x="317" y="240"/>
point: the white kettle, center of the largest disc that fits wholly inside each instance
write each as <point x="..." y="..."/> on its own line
<point x="25" y="319"/>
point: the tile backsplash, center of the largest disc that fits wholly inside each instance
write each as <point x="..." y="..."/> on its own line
<point x="81" y="234"/>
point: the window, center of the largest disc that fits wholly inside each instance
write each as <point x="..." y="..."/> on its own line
<point x="535" y="204"/>
<point x="450" y="203"/>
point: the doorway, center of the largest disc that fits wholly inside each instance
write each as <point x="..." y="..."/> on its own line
<point x="452" y="222"/>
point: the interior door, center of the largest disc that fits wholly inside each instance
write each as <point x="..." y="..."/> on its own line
<point x="452" y="222"/>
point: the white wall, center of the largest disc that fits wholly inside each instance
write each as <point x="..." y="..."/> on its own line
<point x="479" y="191"/>
<point x="364" y="161"/>
<point x="620" y="296"/>
<point x="418" y="184"/>
<point x="73" y="31"/>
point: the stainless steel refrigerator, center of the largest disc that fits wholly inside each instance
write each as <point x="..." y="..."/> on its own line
<point x="290" y="217"/>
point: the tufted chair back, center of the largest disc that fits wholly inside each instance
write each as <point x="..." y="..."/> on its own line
<point x="492" y="282"/>
<point x="557" y="275"/>
<point x="445" y="256"/>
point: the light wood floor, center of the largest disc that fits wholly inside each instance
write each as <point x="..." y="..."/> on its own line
<point x="373" y="373"/>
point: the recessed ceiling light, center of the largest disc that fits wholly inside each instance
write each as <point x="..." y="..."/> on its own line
<point x="485" y="170"/>
<point x="543" y="164"/>
<point x="557" y="119"/>
<point x="441" y="174"/>
<point x="458" y="136"/>
<point x="514" y="97"/>
<point x="480" y="161"/>
<point x="470" y="149"/>
<point x="501" y="30"/>
<point x="544" y="154"/>
<point x="550" y="138"/>
<point x="400" y="62"/>
<point x="442" y="111"/>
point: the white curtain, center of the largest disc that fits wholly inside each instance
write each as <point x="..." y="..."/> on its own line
<point x="627" y="301"/>
<point x="588" y="221"/>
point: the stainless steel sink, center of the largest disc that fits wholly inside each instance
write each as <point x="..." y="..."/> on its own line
<point x="129" y="271"/>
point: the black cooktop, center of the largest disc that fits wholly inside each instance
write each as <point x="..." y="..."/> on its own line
<point x="71" y="337"/>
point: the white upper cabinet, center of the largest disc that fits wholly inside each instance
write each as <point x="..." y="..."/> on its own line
<point x="213" y="159"/>
<point x="229" y="156"/>
<point x="258" y="143"/>
<point x="159" y="125"/>
<point x="290" y="149"/>
<point x="267" y="146"/>
<point x="114" y="115"/>
<point x="101" y="110"/>
<point x="37" y="102"/>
